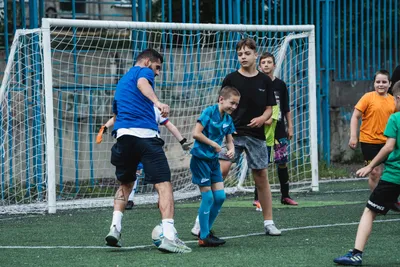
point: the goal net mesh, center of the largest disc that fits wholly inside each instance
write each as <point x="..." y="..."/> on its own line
<point x="86" y="65"/>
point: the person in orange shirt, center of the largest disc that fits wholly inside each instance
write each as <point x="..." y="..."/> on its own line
<point x="374" y="109"/>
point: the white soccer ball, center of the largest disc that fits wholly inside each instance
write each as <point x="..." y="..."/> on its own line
<point x="157" y="235"/>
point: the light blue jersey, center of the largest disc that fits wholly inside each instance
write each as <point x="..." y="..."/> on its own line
<point x="215" y="129"/>
<point x="132" y="108"/>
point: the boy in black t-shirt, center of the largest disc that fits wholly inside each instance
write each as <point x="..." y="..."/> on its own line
<point x="267" y="66"/>
<point x="255" y="107"/>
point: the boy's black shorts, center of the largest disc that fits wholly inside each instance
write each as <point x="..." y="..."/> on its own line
<point x="369" y="151"/>
<point x="383" y="198"/>
<point x="130" y="150"/>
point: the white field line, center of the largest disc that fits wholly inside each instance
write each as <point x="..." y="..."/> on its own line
<point x="194" y="241"/>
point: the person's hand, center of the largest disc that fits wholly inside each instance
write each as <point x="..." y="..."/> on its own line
<point x="230" y="153"/>
<point x="217" y="147"/>
<point x="268" y="122"/>
<point x="99" y="137"/>
<point x="290" y="133"/>
<point x="164" y="108"/>
<point x="257" y="122"/>
<point x="186" y="146"/>
<point x="353" y="142"/>
<point x="364" y="171"/>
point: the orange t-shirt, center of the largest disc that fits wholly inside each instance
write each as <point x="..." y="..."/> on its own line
<point x="375" y="110"/>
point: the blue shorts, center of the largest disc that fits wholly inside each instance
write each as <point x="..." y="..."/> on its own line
<point x="205" y="172"/>
<point x="130" y="150"/>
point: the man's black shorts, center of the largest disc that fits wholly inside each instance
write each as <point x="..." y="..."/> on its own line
<point x="130" y="150"/>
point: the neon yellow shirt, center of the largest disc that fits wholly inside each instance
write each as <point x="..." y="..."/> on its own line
<point x="269" y="130"/>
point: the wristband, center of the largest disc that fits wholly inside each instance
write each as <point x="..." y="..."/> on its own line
<point x="183" y="141"/>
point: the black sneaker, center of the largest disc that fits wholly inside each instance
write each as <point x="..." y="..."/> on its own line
<point x="211" y="241"/>
<point x="129" y="205"/>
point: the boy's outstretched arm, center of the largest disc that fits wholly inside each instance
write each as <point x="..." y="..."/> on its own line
<point x="382" y="155"/>
<point x="104" y="128"/>
<point x="199" y="136"/>
<point x="353" y="128"/>
<point x="175" y="132"/>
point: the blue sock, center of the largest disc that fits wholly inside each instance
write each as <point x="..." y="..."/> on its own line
<point x="219" y="198"/>
<point x="204" y="213"/>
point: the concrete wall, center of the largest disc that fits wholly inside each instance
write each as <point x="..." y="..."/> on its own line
<point x="343" y="97"/>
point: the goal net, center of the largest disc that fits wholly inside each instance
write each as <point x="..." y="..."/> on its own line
<point x="58" y="89"/>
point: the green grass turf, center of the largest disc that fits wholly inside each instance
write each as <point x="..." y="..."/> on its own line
<point x="329" y="210"/>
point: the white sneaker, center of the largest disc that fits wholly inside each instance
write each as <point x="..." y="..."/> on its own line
<point x="114" y="237"/>
<point x="196" y="229"/>
<point x="174" y="246"/>
<point x="271" y="229"/>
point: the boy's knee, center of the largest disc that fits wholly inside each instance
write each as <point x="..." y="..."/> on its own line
<point x="207" y="198"/>
<point x="219" y="196"/>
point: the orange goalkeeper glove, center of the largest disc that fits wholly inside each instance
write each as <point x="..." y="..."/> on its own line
<point x="99" y="137"/>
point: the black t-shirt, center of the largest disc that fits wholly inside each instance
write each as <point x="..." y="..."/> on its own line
<point x="395" y="78"/>
<point x="256" y="94"/>
<point x="282" y="99"/>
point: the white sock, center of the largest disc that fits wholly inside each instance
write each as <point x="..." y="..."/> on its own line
<point x="116" y="220"/>
<point x="268" y="222"/>
<point x="132" y="194"/>
<point x="197" y="222"/>
<point x="168" y="228"/>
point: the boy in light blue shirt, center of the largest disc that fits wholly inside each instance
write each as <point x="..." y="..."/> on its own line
<point x="213" y="125"/>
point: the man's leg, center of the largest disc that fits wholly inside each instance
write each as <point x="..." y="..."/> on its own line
<point x="166" y="206"/>
<point x="120" y="200"/>
<point x="170" y="242"/>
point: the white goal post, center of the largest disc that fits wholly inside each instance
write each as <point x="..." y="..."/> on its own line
<point x="58" y="88"/>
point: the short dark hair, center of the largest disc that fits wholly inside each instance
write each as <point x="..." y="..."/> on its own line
<point x="383" y="72"/>
<point x="396" y="89"/>
<point x="227" y="91"/>
<point x="250" y="43"/>
<point x="151" y="54"/>
<point x="266" y="55"/>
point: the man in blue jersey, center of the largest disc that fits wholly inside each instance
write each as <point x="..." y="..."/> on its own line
<point x="138" y="140"/>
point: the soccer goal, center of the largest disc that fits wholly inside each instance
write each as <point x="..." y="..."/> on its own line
<point x="58" y="88"/>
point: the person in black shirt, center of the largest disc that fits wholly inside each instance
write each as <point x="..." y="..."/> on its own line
<point x="255" y="107"/>
<point x="267" y="66"/>
<point x="395" y="78"/>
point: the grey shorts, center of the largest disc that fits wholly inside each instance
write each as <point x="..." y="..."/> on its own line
<point x="256" y="152"/>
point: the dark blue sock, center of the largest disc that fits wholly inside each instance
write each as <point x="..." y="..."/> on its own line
<point x="204" y="213"/>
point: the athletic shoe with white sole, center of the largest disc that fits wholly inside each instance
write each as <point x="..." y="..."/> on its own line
<point x="271" y="229"/>
<point x="113" y="238"/>
<point x="174" y="246"/>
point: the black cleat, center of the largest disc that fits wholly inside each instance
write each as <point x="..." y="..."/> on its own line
<point x="129" y="205"/>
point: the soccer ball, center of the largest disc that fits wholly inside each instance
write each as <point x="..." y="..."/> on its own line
<point x="157" y="235"/>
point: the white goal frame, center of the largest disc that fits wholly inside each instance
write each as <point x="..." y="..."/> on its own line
<point x="307" y="31"/>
